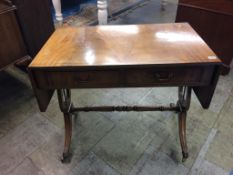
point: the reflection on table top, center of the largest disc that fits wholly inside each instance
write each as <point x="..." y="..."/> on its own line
<point x="150" y="44"/>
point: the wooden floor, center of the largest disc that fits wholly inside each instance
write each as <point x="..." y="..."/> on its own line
<point x="115" y="143"/>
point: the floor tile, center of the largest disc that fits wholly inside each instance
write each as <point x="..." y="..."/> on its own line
<point x="148" y="153"/>
<point x="82" y="97"/>
<point x="222" y="92"/>
<point x="23" y="140"/>
<point x="124" y="145"/>
<point x="89" y="129"/>
<point x="15" y="111"/>
<point x="160" y="164"/>
<point x="53" y="113"/>
<point x="196" y="168"/>
<point x="92" y="165"/>
<point x="208" y="168"/>
<point x="157" y="15"/>
<point x="48" y="161"/>
<point x="133" y="95"/>
<point x="161" y="96"/>
<point x="27" y="167"/>
<point x="17" y="103"/>
<point x="225" y="121"/>
<point x="196" y="114"/>
<point x="221" y="151"/>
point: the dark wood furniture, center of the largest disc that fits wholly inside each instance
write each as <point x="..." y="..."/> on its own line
<point x="213" y="21"/>
<point x="36" y="23"/>
<point x="11" y="46"/>
<point x="25" y="26"/>
<point x="125" y="56"/>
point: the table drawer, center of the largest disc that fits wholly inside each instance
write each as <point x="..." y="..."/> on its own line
<point x="80" y="79"/>
<point x="171" y="76"/>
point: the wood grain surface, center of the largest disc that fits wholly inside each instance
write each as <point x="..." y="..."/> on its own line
<point x="126" y="45"/>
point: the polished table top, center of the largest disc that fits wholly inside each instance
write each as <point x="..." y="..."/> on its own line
<point x="151" y="44"/>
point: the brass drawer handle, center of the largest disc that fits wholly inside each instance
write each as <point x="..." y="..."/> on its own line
<point x="164" y="76"/>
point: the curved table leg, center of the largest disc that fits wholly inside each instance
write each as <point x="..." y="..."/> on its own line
<point x="102" y="12"/>
<point x="64" y="98"/>
<point x="57" y="8"/>
<point x="184" y="103"/>
<point x="182" y="134"/>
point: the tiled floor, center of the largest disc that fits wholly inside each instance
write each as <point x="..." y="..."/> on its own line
<point x="115" y="143"/>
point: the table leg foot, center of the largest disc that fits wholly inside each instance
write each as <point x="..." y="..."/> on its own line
<point x="185" y="156"/>
<point x="66" y="157"/>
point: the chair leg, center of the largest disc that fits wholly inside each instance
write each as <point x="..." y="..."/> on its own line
<point x="57" y="8"/>
<point x="102" y="12"/>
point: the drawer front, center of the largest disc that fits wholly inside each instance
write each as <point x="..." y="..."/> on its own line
<point x="171" y="76"/>
<point x="82" y="79"/>
<point x="191" y="76"/>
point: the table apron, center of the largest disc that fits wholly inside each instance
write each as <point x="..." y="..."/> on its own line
<point x="177" y="76"/>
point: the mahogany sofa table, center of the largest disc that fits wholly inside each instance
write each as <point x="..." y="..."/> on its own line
<point x="125" y="56"/>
